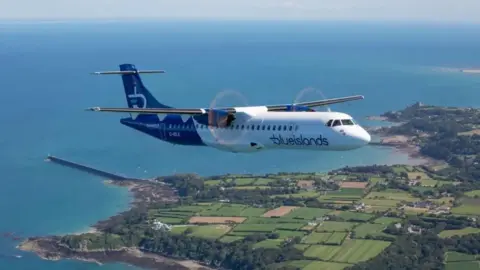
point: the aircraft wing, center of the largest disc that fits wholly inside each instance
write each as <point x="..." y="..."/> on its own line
<point x="314" y="103"/>
<point x="200" y="111"/>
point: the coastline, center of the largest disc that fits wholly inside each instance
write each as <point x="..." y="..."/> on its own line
<point x="50" y="248"/>
<point x="150" y="192"/>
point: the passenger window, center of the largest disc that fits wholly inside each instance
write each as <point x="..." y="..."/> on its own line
<point x="258" y="127"/>
<point x="290" y="128"/>
<point x="296" y="128"/>
<point x="263" y="127"/>
<point x="284" y="127"/>
<point x="336" y="123"/>
<point x="274" y="127"/>
<point x="279" y="127"/>
<point x="329" y="123"/>
<point x="268" y="128"/>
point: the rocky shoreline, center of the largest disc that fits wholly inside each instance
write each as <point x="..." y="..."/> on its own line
<point x="50" y="247"/>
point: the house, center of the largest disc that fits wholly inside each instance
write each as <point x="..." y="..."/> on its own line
<point x="158" y="225"/>
<point x="414" y="229"/>
<point x="360" y="206"/>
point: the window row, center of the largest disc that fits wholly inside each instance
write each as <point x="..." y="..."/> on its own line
<point x="239" y="127"/>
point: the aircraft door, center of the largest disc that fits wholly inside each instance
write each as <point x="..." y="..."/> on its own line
<point x="291" y="129"/>
<point x="162" y="131"/>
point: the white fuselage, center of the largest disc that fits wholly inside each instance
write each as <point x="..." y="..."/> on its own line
<point x="256" y="129"/>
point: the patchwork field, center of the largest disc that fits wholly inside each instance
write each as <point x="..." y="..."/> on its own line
<point x="305" y="183"/>
<point x="463" y="266"/>
<point x="208" y="231"/>
<point x="216" y="220"/>
<point x="361" y="185"/>
<point x="335" y="226"/>
<point x="280" y="211"/>
<point x="450" y="233"/>
<point x="351" y="251"/>
<point x="469" y="206"/>
<point x="307" y="213"/>
<point x="326" y="266"/>
<point x="452" y="256"/>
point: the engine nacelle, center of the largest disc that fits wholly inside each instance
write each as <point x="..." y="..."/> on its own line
<point x="298" y="108"/>
<point x="216" y="118"/>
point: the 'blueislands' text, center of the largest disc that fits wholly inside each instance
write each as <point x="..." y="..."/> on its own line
<point x="279" y="140"/>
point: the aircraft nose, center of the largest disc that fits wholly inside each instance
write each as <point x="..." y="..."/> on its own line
<point x="364" y="136"/>
<point x="361" y="136"/>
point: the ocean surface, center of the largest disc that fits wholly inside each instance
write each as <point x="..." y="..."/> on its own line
<point x="45" y="86"/>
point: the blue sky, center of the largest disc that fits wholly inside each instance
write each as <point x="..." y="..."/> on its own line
<point x="398" y="10"/>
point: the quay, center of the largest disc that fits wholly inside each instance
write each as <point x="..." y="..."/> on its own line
<point x="92" y="170"/>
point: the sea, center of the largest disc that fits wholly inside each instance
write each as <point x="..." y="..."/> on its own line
<point x="46" y="85"/>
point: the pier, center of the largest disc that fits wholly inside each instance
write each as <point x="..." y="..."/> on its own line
<point x="92" y="170"/>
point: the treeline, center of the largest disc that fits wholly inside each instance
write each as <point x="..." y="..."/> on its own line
<point x="372" y="169"/>
<point x="236" y="255"/>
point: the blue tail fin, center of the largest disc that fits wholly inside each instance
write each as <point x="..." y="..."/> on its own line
<point x="137" y="95"/>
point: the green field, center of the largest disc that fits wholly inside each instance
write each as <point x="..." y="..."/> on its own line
<point x="226" y="210"/>
<point x="230" y="238"/>
<point x="462" y="266"/>
<point x="307" y="213"/>
<point x="465" y="231"/>
<point x="473" y="193"/>
<point x="354" y="251"/>
<point x="288" y="234"/>
<point x="209" y="231"/>
<point x="368" y="229"/>
<point x="303" y="194"/>
<point x="267" y="227"/>
<point x="243" y="181"/>
<point x="399" y="169"/>
<point x="469" y="206"/>
<point x="344" y="194"/>
<point x="336" y="238"/>
<point x="263" y="181"/>
<point x="335" y="226"/>
<point x="391" y="194"/>
<point x="213" y="182"/>
<point x="251" y="187"/>
<point x="324" y="253"/>
<point x="269" y="243"/>
<point x="266" y="220"/>
<point x="317" y="238"/>
<point x="387" y="220"/>
<point x="375" y="180"/>
<point x="453" y="256"/>
<point x="253" y="212"/>
<point x="326" y="266"/>
<point x="353" y="216"/>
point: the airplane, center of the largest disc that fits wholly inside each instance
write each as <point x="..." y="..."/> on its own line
<point x="245" y="129"/>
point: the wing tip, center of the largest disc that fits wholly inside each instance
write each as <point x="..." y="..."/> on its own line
<point x="93" y="109"/>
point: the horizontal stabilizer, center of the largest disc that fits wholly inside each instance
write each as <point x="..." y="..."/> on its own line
<point x="126" y="72"/>
<point x="149" y="110"/>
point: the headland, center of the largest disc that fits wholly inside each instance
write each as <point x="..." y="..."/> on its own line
<point x="368" y="217"/>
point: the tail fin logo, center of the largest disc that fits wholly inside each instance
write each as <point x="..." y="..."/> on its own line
<point x="136" y="99"/>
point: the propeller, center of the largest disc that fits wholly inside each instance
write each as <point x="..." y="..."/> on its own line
<point x="222" y="133"/>
<point x="309" y="94"/>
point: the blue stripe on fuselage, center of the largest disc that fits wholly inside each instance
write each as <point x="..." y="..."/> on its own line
<point x="171" y="129"/>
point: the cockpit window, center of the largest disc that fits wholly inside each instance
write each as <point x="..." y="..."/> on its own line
<point x="347" y="122"/>
<point x="336" y="123"/>
<point x="329" y="123"/>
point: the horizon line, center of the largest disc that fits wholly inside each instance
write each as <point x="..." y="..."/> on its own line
<point x="200" y="19"/>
